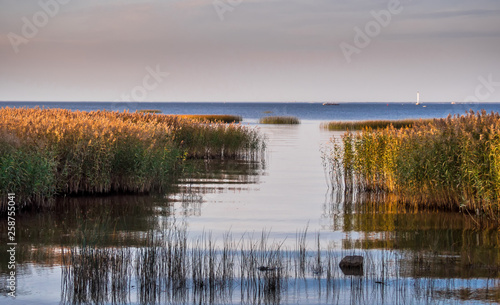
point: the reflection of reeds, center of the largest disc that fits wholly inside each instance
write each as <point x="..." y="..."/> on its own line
<point x="440" y="244"/>
<point x="162" y="266"/>
<point x="165" y="269"/>
<point x="169" y="269"/>
<point x="96" y="275"/>
<point x="301" y="249"/>
<point x="264" y="270"/>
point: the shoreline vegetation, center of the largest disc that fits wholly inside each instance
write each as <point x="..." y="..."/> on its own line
<point x="212" y="118"/>
<point x="279" y="120"/>
<point x="148" y="111"/>
<point x="48" y="152"/>
<point x="374" y="124"/>
<point x="448" y="164"/>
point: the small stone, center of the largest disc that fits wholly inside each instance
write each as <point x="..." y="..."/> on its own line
<point x="352" y="265"/>
<point x="264" y="268"/>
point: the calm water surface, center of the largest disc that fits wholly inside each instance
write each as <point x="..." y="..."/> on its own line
<point x="410" y="258"/>
<point x="305" y="111"/>
<point x="285" y="193"/>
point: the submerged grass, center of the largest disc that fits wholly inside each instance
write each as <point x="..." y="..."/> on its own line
<point x="169" y="268"/>
<point x="447" y="164"/>
<point x="374" y="124"/>
<point x="44" y="152"/>
<point x="279" y="120"/>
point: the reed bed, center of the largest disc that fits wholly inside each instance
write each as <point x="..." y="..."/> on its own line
<point x="212" y="118"/>
<point x="446" y="164"/>
<point x="374" y="124"/>
<point x="149" y="111"/>
<point x="279" y="120"/>
<point x="44" y="152"/>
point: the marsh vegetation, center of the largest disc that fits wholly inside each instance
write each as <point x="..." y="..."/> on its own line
<point x="279" y="120"/>
<point x="201" y="241"/>
<point x="373" y="124"/>
<point x="149" y="111"/>
<point x="447" y="164"/>
<point x="47" y="152"/>
<point x="213" y="118"/>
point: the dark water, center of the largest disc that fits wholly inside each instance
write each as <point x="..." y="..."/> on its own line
<point x="414" y="258"/>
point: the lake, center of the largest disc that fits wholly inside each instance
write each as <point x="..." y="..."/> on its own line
<point x="270" y="230"/>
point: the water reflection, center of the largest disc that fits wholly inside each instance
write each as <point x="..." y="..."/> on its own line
<point x="214" y="177"/>
<point x="174" y="269"/>
<point x="431" y="244"/>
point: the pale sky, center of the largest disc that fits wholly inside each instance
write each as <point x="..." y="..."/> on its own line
<point x="250" y="50"/>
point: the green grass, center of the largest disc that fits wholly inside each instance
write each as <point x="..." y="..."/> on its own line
<point x="55" y="151"/>
<point x="447" y="164"/>
<point x="279" y="120"/>
<point x="374" y="124"/>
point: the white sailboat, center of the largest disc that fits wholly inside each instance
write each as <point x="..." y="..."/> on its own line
<point x="418" y="98"/>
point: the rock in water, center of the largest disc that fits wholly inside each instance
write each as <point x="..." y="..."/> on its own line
<point x="352" y="265"/>
<point x="265" y="268"/>
<point x="353" y="261"/>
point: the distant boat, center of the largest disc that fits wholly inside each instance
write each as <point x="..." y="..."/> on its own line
<point x="453" y="103"/>
<point x="418" y="98"/>
<point x="331" y="104"/>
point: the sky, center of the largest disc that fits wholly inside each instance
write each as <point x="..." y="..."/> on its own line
<point x="250" y="50"/>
